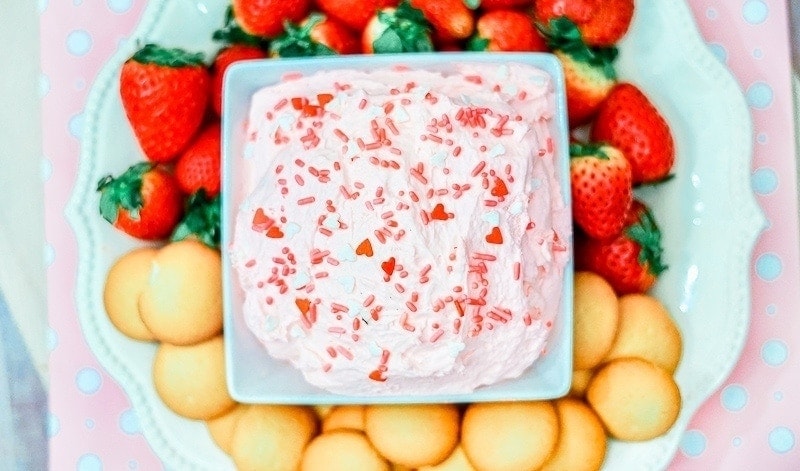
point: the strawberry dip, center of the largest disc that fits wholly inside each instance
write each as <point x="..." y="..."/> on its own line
<point x="405" y="232"/>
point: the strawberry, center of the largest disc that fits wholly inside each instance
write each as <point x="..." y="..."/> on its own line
<point x="201" y="220"/>
<point x="164" y="93"/>
<point x="232" y="33"/>
<point x="224" y="58"/>
<point x="450" y="18"/>
<point x="266" y="17"/>
<point x="589" y="73"/>
<point x="198" y="167"/>
<point x="400" y="29"/>
<point x="602" y="192"/>
<point x="629" y="121"/>
<point x="317" y="35"/>
<point x="506" y="30"/>
<point x="144" y="202"/>
<point x="601" y="22"/>
<point x="354" y="13"/>
<point x="487" y="5"/>
<point x="632" y="261"/>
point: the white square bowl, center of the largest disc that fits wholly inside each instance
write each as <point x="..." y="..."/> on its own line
<point x="255" y="377"/>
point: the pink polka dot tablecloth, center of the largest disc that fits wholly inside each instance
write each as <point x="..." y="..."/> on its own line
<point x="752" y="420"/>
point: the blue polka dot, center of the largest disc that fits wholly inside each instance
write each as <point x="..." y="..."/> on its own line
<point x="774" y="352"/>
<point x="77" y="2"/>
<point x="133" y="464"/>
<point x="89" y="423"/>
<point x="46" y="168"/>
<point x="781" y="439"/>
<point x="758" y="54"/>
<point x="778" y="396"/>
<point x="761" y="138"/>
<point x="52" y="339"/>
<point x="88" y="380"/>
<point x="768" y="267"/>
<point x="80" y="84"/>
<point x="755" y="11"/>
<point x="737" y="441"/>
<point x="75" y="126"/>
<point x="759" y="95"/>
<point x="42" y="5"/>
<point x="90" y="462"/>
<point x="719" y="51"/>
<point x="79" y="42"/>
<point x="44" y="85"/>
<point x="693" y="443"/>
<point x="764" y="180"/>
<point x="53" y="425"/>
<point x="129" y="422"/>
<point x="734" y="398"/>
<point x="711" y="14"/>
<point x="772" y="310"/>
<point x="119" y="6"/>
<point x="49" y="255"/>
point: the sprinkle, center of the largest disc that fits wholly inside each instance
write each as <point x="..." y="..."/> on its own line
<point x="306" y="200"/>
<point x="417" y="175"/>
<point x="336" y="307"/>
<point x="337" y="330"/>
<point x="411" y="306"/>
<point x="369" y="300"/>
<point x="345" y="352"/>
<point x="388" y="266"/>
<point x="341" y="135"/>
<point x="517" y="269"/>
<point x="377" y="376"/>
<point x="457" y="151"/>
<point x="478" y="168"/>
<point x="436" y="335"/>
<point x="484" y="256"/>
<point x="400" y="288"/>
<point x="362" y="104"/>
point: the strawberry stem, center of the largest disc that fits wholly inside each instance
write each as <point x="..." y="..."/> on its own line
<point x="232" y="33"/>
<point x="123" y="192"/>
<point x="169" y="57"/>
<point x="296" y="40"/>
<point x="591" y="149"/>
<point x="201" y="220"/>
<point x="647" y="234"/>
<point x="562" y="34"/>
<point x="407" y="31"/>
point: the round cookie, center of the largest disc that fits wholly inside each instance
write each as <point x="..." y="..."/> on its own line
<point x="635" y="399"/>
<point x="125" y="281"/>
<point x="647" y="331"/>
<point x="510" y="435"/>
<point x="580" y="379"/>
<point x="272" y="437"/>
<point x="596" y="313"/>
<point x="182" y="301"/>
<point x="581" y="440"/>
<point x="342" y="450"/>
<point x="413" y="435"/>
<point x="221" y="428"/>
<point x="190" y="380"/>
<point x="457" y="461"/>
<point x="344" y="417"/>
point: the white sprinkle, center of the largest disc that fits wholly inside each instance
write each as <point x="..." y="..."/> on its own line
<point x="498" y="149"/>
<point x="346" y="253"/>
<point x="296" y="332"/>
<point x="348" y="282"/>
<point x="331" y="221"/>
<point x="375" y="349"/>
<point x="502" y="72"/>
<point x="516" y="207"/>
<point x="492" y="217"/>
<point x="455" y="348"/>
<point x="291" y="229"/>
<point x="374" y="111"/>
<point x="285" y="121"/>
<point x="510" y="89"/>
<point x="438" y="158"/>
<point x="300" y="279"/>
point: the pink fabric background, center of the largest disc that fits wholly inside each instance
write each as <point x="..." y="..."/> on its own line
<point x="753" y="420"/>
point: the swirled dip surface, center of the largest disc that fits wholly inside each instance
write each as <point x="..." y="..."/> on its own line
<point x="405" y="232"/>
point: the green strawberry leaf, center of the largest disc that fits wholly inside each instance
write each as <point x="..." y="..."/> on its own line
<point x="562" y="34"/>
<point x="170" y="57"/>
<point x="296" y="40"/>
<point x="591" y="149"/>
<point x="406" y="30"/>
<point x="477" y="43"/>
<point x="660" y="181"/>
<point x="646" y="233"/>
<point x="123" y="192"/>
<point x="201" y="220"/>
<point x="232" y="33"/>
<point x="472" y="4"/>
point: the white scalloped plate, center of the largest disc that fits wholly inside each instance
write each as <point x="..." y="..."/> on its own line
<point x="708" y="215"/>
